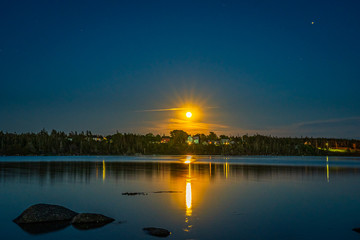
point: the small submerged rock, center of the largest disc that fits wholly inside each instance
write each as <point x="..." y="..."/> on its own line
<point x="134" y="193"/>
<point x="356" y="230"/>
<point x="85" y="221"/>
<point x="168" y="192"/>
<point x="40" y="213"/>
<point x="158" y="232"/>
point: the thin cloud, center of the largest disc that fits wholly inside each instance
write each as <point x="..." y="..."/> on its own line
<point x="336" y="127"/>
<point x="170" y="109"/>
<point x="328" y="121"/>
<point x="162" y="110"/>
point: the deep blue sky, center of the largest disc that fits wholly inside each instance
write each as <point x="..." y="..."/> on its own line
<point x="249" y="66"/>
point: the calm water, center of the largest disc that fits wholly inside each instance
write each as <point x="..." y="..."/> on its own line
<point x="217" y="198"/>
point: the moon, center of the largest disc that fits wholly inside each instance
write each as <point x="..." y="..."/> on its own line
<point x="188" y="114"/>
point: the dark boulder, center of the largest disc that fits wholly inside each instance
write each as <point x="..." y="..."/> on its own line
<point x="158" y="232"/>
<point x="40" y="213"/>
<point x="85" y="221"/>
<point x="356" y="230"/>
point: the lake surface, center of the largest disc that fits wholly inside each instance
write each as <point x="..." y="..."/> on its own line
<point x="215" y="198"/>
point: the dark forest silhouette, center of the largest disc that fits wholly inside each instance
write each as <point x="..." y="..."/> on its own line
<point x="86" y="143"/>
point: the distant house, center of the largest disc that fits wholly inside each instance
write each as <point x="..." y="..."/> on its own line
<point x="97" y="138"/>
<point x="190" y="140"/>
<point x="225" y="141"/>
<point x="217" y="143"/>
<point x="165" y="139"/>
<point x="196" y="139"/>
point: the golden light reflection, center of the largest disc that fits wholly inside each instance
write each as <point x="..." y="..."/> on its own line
<point x="188" y="198"/>
<point x="193" y="181"/>
<point x="327" y="172"/>
<point x="104" y="171"/>
<point x="327" y="169"/>
<point x="226" y="169"/>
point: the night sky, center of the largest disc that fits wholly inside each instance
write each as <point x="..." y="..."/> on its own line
<point x="285" y="68"/>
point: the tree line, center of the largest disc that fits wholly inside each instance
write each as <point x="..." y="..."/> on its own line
<point x="86" y="143"/>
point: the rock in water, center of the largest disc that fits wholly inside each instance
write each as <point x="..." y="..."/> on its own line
<point x="45" y="213"/>
<point x="84" y="221"/>
<point x="134" y="193"/>
<point x="168" y="192"/>
<point x="158" y="232"/>
<point x="91" y="218"/>
<point x="356" y="230"/>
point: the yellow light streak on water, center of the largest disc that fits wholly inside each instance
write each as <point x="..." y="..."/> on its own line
<point x="188" y="194"/>
<point x="227" y="169"/>
<point x="188" y="199"/>
<point x="327" y="169"/>
<point x="104" y="171"/>
<point x="327" y="172"/>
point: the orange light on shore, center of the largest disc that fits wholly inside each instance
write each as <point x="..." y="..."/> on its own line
<point x="188" y="159"/>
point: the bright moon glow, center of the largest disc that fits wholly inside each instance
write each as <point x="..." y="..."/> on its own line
<point x="188" y="114"/>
